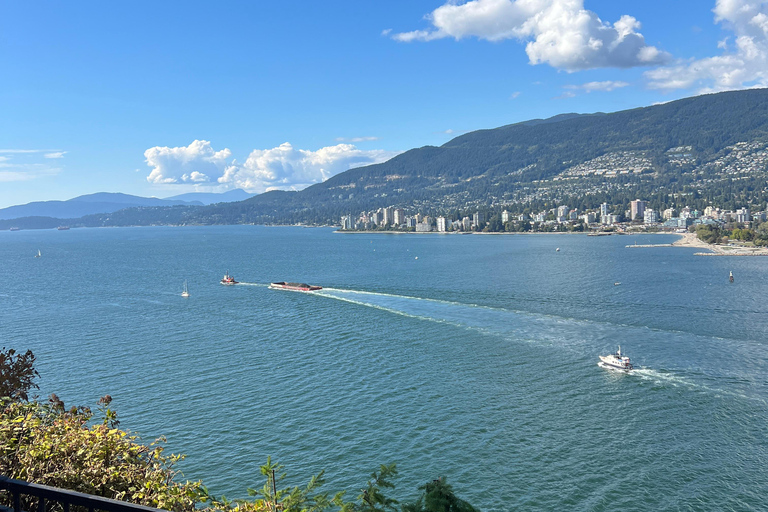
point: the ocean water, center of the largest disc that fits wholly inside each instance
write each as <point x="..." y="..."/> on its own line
<point x="471" y="357"/>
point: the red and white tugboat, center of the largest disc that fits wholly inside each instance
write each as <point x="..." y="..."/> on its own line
<point x="228" y="279"/>
<point x="616" y="361"/>
<point x="297" y="287"/>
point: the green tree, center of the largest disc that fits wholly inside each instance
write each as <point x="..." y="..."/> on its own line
<point x="17" y="374"/>
<point x="438" y="496"/>
<point x="371" y="497"/>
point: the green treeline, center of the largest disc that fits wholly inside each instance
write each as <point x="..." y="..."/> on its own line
<point x="76" y="448"/>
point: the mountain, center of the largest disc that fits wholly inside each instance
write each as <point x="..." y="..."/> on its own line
<point x="710" y="149"/>
<point x="102" y="202"/>
<point x="210" y="198"/>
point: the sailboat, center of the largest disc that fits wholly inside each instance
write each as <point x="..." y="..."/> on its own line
<point x="185" y="293"/>
<point x="38" y="254"/>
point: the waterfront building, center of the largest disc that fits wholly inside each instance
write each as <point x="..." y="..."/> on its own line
<point x="573" y="214"/>
<point x="388" y="215"/>
<point x="562" y="211"/>
<point x="685" y="213"/>
<point x="442" y="224"/>
<point x="376" y="218"/>
<point x="670" y="212"/>
<point x="523" y="217"/>
<point x="477" y="219"/>
<point x="423" y="227"/>
<point x="410" y="222"/>
<point x="505" y="216"/>
<point x="347" y="222"/>
<point x="588" y="217"/>
<point x="650" y="217"/>
<point x="466" y="224"/>
<point x="637" y="209"/>
<point x="604" y="211"/>
<point x="610" y="219"/>
<point x="399" y="216"/>
<point x="540" y="217"/>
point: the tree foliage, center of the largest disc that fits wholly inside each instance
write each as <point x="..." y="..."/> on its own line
<point x="438" y="496"/>
<point x="46" y="444"/>
<point x="17" y="374"/>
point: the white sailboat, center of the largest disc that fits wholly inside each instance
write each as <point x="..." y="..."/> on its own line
<point x="39" y="254"/>
<point x="185" y="293"/>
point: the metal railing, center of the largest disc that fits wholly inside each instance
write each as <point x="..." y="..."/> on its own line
<point x="45" y="493"/>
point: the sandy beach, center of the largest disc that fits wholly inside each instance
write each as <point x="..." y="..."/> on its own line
<point x="691" y="240"/>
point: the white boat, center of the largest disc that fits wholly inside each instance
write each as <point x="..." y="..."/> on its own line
<point x="616" y="361"/>
<point x="185" y="293"/>
<point x="39" y="254"/>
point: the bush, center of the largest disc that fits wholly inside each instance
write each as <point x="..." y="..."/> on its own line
<point x="44" y="444"/>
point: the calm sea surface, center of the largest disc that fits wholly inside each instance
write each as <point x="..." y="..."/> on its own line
<point x="472" y="357"/>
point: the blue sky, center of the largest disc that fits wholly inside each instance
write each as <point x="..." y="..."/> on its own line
<point x="163" y="98"/>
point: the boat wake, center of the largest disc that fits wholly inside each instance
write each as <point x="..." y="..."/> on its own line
<point x="582" y="338"/>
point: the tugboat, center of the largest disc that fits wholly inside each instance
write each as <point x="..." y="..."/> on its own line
<point x="616" y="361"/>
<point x="297" y="287"/>
<point x="228" y="279"/>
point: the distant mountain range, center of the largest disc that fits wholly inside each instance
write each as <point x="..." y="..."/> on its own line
<point x="210" y="198"/>
<point x="710" y="149"/>
<point x="106" y="202"/>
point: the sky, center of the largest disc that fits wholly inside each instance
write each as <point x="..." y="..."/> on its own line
<point x="164" y="98"/>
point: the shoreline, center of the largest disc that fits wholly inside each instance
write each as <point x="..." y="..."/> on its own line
<point x="690" y="240"/>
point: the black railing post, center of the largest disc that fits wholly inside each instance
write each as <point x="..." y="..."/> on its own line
<point x="16" y="500"/>
<point x="41" y="504"/>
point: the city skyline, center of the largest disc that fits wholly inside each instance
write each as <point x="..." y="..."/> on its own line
<point x="159" y="100"/>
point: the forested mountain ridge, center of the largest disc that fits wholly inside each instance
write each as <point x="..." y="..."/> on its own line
<point x="705" y="149"/>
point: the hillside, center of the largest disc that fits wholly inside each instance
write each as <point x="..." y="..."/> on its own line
<point x="710" y="149"/>
<point x="102" y="202"/>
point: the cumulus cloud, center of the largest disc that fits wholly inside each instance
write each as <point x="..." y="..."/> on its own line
<point x="742" y="64"/>
<point x="283" y="167"/>
<point x="55" y="154"/>
<point x="560" y="33"/>
<point x="190" y="164"/>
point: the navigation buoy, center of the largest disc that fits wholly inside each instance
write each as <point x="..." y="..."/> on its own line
<point x="730" y="276"/>
<point x="416" y="258"/>
<point x="557" y="250"/>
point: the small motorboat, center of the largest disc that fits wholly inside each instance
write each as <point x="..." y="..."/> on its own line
<point x="228" y="279"/>
<point x="616" y="361"/>
<point x="297" y="287"/>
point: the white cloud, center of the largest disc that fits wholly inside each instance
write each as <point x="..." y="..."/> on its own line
<point x="190" y="164"/>
<point x="514" y="95"/>
<point x="26" y="172"/>
<point x="283" y="167"/>
<point x="55" y="154"/>
<point x="560" y="33"/>
<point x="742" y="64"/>
<point x="606" y="86"/>
<point x="356" y="139"/>
<point x="24" y="151"/>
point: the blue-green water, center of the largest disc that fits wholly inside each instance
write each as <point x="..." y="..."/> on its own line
<point x="467" y="356"/>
